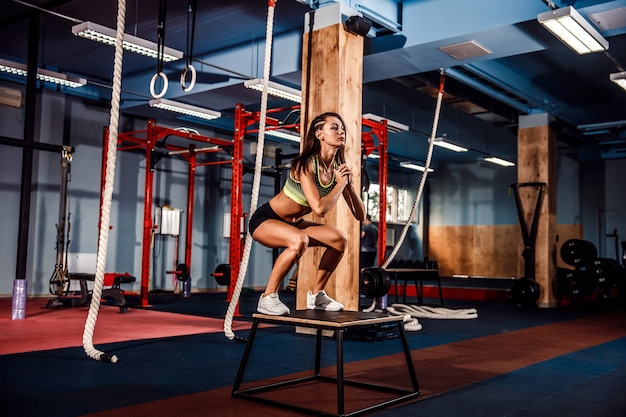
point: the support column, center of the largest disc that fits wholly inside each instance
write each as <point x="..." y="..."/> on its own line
<point x="536" y="157"/>
<point x="332" y="79"/>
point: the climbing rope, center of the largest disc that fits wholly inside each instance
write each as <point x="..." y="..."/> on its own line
<point x="94" y="307"/>
<point x="420" y="188"/>
<point x="412" y="313"/>
<point x="230" y="312"/>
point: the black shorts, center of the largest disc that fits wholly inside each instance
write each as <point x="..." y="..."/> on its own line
<point x="263" y="213"/>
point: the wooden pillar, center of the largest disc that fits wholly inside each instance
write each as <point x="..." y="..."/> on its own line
<point x="332" y="79"/>
<point x="536" y="156"/>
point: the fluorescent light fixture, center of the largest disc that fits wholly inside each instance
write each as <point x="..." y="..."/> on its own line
<point x="186" y="109"/>
<point x="573" y="29"/>
<point x="373" y="156"/>
<point x="392" y="126"/>
<point x="441" y="142"/>
<point x="283" y="134"/>
<point x="275" y="89"/>
<point x="103" y="34"/>
<point x="619" y="78"/>
<point x="414" y="166"/>
<point x="42" y="74"/>
<point x="499" y="161"/>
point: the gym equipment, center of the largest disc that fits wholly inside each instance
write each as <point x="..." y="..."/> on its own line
<point x="418" y="272"/>
<point x="410" y="321"/>
<point x="578" y="252"/>
<point x="591" y="272"/>
<point x="603" y="272"/>
<point x="573" y="283"/>
<point x="374" y="282"/>
<point x="337" y="322"/>
<point x="107" y="194"/>
<point x="60" y="279"/>
<point x="111" y="279"/>
<point x="380" y="303"/>
<point x="525" y="291"/>
<point x="182" y="275"/>
<point x="160" y="50"/>
<point x="191" y="33"/>
<point x="240" y="269"/>
<point x="222" y="274"/>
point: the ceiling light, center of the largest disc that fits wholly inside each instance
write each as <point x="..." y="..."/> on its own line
<point x="573" y="29"/>
<point x="373" y="156"/>
<point x="185" y="109"/>
<point x="392" y="126"/>
<point x="108" y="36"/>
<point x="499" y="161"/>
<point x="411" y="165"/>
<point x="275" y="89"/>
<point x="619" y="78"/>
<point x="42" y="74"/>
<point x="441" y="142"/>
<point x="283" y="134"/>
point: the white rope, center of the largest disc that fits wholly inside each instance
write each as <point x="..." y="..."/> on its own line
<point x="411" y="313"/>
<point x="420" y="189"/>
<point x="94" y="307"/>
<point x="230" y="312"/>
<point x="428" y="312"/>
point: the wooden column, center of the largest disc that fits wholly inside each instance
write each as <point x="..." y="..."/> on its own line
<point x="536" y="156"/>
<point x="332" y="63"/>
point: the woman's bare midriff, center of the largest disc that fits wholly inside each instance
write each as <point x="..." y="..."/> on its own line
<point x="287" y="209"/>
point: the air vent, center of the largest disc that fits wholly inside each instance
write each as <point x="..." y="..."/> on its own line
<point x="465" y="50"/>
<point x="609" y="19"/>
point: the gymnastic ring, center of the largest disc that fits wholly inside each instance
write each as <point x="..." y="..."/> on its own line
<point x="165" y="84"/>
<point x="183" y="75"/>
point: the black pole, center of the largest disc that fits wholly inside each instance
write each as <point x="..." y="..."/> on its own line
<point x="30" y="112"/>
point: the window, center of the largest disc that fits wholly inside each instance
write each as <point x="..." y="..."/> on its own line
<point x="399" y="203"/>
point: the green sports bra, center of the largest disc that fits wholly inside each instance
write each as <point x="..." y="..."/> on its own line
<point x="293" y="188"/>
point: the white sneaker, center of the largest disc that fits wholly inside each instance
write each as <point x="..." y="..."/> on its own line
<point x="271" y="304"/>
<point x="321" y="301"/>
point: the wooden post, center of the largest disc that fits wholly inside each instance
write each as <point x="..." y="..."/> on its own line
<point x="536" y="157"/>
<point x="332" y="79"/>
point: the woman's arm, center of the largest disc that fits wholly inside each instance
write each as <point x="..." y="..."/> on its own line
<point x="321" y="205"/>
<point x="354" y="202"/>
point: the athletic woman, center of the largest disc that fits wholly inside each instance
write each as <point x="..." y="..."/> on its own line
<point x="318" y="178"/>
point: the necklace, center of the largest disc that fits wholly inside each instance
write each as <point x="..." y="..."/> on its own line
<point x="326" y="166"/>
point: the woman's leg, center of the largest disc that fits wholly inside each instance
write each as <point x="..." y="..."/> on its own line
<point x="334" y="240"/>
<point x="278" y="234"/>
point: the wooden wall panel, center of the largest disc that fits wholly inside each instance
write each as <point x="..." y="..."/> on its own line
<point x="489" y="251"/>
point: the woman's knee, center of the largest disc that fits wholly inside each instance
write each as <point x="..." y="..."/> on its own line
<point x="342" y="241"/>
<point x="299" y="242"/>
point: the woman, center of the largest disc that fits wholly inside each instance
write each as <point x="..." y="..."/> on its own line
<point x="318" y="178"/>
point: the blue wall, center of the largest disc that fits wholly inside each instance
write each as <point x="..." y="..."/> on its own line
<point x="590" y="193"/>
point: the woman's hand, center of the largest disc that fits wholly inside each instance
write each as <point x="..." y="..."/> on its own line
<point x="343" y="174"/>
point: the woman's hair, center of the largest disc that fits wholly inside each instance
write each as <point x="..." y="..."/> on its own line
<point x="311" y="145"/>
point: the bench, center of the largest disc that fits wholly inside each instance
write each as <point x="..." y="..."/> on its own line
<point x="112" y="280"/>
<point x="337" y="322"/>
<point x="416" y="271"/>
